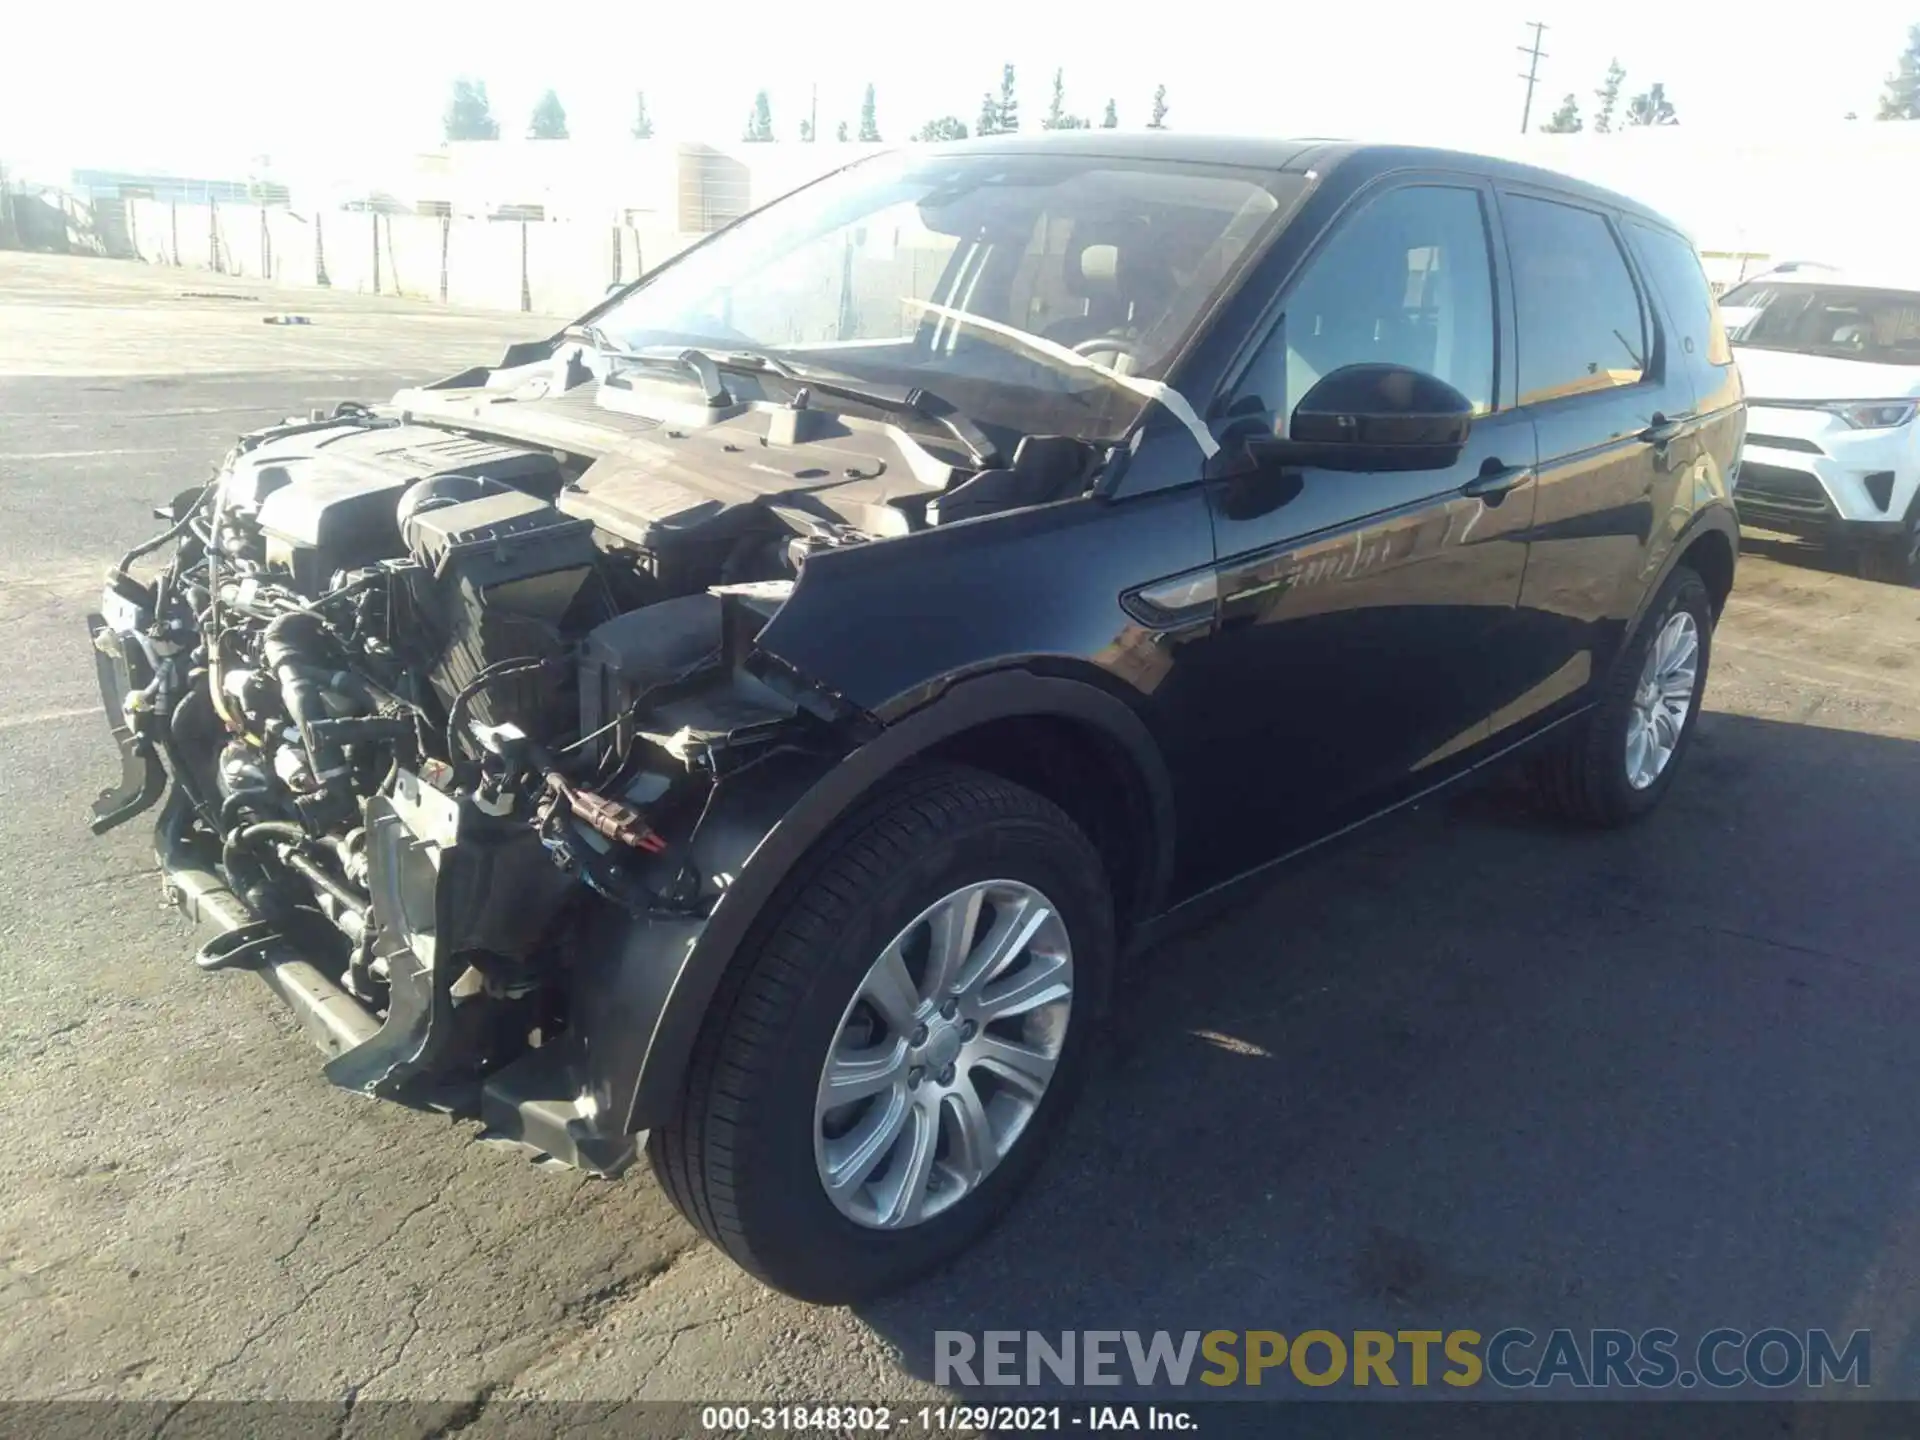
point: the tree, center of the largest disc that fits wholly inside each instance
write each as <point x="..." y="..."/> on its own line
<point x="841" y="134"/>
<point x="1111" y="120"/>
<point x="468" y="115"/>
<point x="549" y="120"/>
<point x="989" y="121"/>
<point x="947" y="127"/>
<point x="1901" y="99"/>
<point x="806" y="130"/>
<point x="869" y="124"/>
<point x="1057" y="117"/>
<point x="642" y="122"/>
<point x="1007" y="108"/>
<point x="1159" y="120"/>
<point x="760" y="122"/>
<point x="1566" y="120"/>
<point x="1609" y="97"/>
<point x="1651" y="107"/>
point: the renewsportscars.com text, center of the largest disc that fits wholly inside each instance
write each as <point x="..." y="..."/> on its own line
<point x="1513" y="1358"/>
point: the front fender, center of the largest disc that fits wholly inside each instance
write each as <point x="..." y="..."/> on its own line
<point x="643" y="985"/>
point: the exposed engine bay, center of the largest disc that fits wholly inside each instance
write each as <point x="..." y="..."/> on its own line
<point x="436" y="682"/>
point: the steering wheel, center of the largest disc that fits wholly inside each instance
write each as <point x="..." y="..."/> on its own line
<point x="1107" y="345"/>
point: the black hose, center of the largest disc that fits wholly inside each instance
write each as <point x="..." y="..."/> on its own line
<point x="242" y="840"/>
<point x="321" y="880"/>
<point x="172" y="532"/>
<point x="245" y="838"/>
<point x="286" y="830"/>
<point x="292" y="645"/>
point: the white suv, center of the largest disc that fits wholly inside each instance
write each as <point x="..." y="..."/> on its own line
<point x="1832" y="370"/>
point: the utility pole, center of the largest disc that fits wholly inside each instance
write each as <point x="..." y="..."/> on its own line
<point x="813" y="117"/>
<point x="1536" y="55"/>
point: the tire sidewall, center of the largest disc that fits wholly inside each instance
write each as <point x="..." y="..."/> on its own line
<point x="805" y="1244"/>
<point x="1684" y="590"/>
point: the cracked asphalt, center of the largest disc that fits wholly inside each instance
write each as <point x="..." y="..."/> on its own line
<point x="1467" y="1070"/>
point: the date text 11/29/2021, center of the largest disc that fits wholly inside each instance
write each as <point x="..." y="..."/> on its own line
<point x="940" y="1419"/>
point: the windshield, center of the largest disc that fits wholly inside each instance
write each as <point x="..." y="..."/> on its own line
<point x="1882" y="326"/>
<point x="929" y="270"/>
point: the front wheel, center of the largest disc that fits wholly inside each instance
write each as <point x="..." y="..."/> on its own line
<point x="1893" y="562"/>
<point x="889" y="1061"/>
<point x="1617" y="760"/>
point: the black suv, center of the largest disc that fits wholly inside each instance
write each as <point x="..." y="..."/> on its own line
<point x="755" y="719"/>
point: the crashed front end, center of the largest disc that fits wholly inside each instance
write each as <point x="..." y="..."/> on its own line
<point x="461" y="751"/>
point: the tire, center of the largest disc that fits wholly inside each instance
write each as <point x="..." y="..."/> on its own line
<point x="739" y="1159"/>
<point x="1892" y="562"/>
<point x="1583" y="775"/>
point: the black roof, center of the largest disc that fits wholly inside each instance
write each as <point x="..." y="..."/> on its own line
<point x="1295" y="154"/>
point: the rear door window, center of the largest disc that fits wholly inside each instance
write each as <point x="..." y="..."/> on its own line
<point x="1582" y="329"/>
<point x="1669" y="260"/>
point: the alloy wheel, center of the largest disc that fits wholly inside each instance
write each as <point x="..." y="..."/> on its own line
<point x="944" y="1054"/>
<point x="1663" y="699"/>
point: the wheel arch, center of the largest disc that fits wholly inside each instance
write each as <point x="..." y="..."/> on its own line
<point x="1711" y="554"/>
<point x="1010" y="723"/>
<point x="1710" y="546"/>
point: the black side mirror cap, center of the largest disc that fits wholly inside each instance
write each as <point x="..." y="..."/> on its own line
<point x="1374" y="417"/>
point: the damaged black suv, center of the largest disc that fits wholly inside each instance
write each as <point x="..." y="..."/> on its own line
<point x="754" y="721"/>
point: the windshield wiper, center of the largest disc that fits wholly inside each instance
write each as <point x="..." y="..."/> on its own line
<point x="698" y="363"/>
<point x="900" y="399"/>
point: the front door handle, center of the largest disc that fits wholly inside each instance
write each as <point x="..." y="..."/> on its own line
<point x="1662" y="431"/>
<point x="1495" y="480"/>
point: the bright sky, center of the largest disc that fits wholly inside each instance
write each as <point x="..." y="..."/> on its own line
<point x="164" y="88"/>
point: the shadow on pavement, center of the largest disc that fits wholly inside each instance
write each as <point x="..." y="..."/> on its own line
<point x="1475" y="1071"/>
<point x="1804" y="554"/>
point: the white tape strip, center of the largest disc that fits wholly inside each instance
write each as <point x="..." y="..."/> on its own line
<point x="1152" y="389"/>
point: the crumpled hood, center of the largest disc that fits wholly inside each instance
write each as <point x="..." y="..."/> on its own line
<point x="1781" y="375"/>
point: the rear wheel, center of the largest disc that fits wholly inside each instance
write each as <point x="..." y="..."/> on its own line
<point x="1617" y="761"/>
<point x="887" y="1064"/>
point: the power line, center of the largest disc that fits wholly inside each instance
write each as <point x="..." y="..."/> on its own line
<point x="1533" y="71"/>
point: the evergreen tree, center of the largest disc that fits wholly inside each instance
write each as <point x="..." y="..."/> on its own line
<point x="1159" y="120"/>
<point x="1566" y="120"/>
<point x="468" y="115"/>
<point x="841" y="134"/>
<point x="1651" y="107"/>
<point x="869" y="124"/>
<point x="989" y="121"/>
<point x="549" y="120"/>
<point x="642" y="122"/>
<point x="947" y="127"/>
<point x="1901" y="99"/>
<point x="1111" y="120"/>
<point x="760" y="122"/>
<point x="1609" y="97"/>
<point x="1056" y="108"/>
<point x="1007" y="108"/>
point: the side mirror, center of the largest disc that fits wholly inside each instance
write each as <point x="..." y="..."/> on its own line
<point x="1375" y="417"/>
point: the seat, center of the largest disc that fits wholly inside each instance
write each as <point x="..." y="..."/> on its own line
<point x="1091" y="272"/>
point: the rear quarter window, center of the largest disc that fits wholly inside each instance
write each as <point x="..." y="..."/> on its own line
<point x="1674" y="268"/>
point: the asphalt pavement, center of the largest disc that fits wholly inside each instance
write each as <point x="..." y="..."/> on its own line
<point x="1470" y="1070"/>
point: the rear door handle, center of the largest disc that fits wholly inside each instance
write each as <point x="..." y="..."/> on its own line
<point x="1495" y="480"/>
